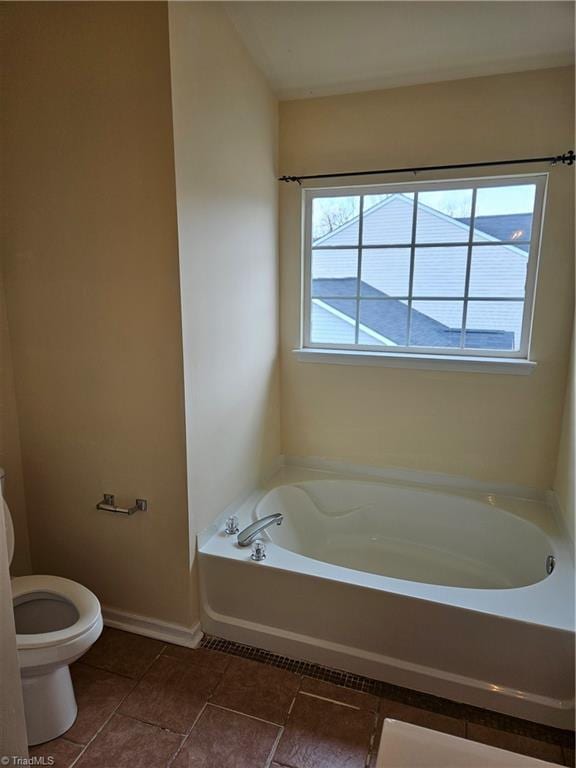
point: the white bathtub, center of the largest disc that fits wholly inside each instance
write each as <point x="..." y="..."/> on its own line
<point x="442" y="592"/>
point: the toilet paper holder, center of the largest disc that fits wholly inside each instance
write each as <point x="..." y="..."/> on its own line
<point x="108" y="504"/>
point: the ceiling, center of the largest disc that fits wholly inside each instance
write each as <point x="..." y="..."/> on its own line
<point x="322" y="48"/>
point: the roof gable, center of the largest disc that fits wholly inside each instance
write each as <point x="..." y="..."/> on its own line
<point x="346" y="234"/>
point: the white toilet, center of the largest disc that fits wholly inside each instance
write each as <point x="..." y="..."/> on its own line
<point x="57" y="620"/>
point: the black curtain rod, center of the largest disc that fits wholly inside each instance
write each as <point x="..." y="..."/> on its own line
<point x="568" y="158"/>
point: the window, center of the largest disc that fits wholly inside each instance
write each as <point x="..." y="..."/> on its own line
<point x="429" y="268"/>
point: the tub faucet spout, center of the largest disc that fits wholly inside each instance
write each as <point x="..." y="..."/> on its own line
<point x="247" y="536"/>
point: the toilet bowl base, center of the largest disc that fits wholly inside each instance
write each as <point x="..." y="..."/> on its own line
<point x="49" y="704"/>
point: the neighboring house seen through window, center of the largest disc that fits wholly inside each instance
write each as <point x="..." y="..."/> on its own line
<point x="445" y="268"/>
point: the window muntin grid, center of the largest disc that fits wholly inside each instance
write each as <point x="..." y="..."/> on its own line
<point x="467" y="250"/>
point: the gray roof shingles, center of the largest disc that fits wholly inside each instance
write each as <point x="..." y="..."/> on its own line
<point x="390" y="318"/>
<point x="505" y="227"/>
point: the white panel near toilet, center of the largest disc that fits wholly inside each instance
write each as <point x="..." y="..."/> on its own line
<point x="9" y="530"/>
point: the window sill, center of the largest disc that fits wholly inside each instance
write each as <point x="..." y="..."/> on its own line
<point x="468" y="364"/>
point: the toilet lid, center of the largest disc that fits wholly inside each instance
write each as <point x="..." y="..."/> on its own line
<point x="9" y="530"/>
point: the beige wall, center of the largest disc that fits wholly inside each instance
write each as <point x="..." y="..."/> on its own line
<point x="490" y="427"/>
<point x="565" y="481"/>
<point x="10" y="453"/>
<point x="225" y="120"/>
<point x="91" y="274"/>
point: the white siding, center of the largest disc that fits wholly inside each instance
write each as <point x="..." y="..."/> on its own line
<point x="435" y="227"/>
<point x="389" y="223"/>
<point x="496" y="270"/>
<point x="334" y="264"/>
<point x="327" y="327"/>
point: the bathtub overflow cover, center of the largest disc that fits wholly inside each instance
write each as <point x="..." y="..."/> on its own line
<point x="550" y="563"/>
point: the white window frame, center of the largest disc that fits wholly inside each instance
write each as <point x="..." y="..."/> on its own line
<point x="367" y="354"/>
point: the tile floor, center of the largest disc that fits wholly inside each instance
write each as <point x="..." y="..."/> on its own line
<point x="142" y="702"/>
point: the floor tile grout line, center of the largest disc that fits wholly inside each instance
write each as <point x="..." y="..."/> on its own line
<point x="332" y="701"/>
<point x="121" y="674"/>
<point x="150" y="723"/>
<point x="107" y="669"/>
<point x="176" y="752"/>
<point x="187" y="736"/>
<point x="116" y="709"/>
<point x="291" y="707"/>
<point x="104" y="724"/>
<point x="156" y="724"/>
<point x="197" y="718"/>
<point x="244" y="714"/>
<point x="338" y="685"/>
<point x="154" y="660"/>
<point x="180" y="662"/>
<point x="236" y="712"/>
<point x="270" y="758"/>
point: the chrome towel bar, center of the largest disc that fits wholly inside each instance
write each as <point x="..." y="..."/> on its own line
<point x="108" y="504"/>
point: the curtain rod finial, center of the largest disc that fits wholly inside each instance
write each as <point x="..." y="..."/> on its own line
<point x="568" y="158"/>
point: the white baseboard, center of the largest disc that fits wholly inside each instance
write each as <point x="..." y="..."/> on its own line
<point x="189" y="637"/>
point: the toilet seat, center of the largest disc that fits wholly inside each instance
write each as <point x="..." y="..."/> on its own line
<point x="69" y="629"/>
<point x="85" y="602"/>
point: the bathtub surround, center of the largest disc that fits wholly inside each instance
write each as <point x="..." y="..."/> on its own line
<point x="492" y="427"/>
<point x="225" y="129"/>
<point x="91" y="277"/>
